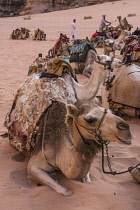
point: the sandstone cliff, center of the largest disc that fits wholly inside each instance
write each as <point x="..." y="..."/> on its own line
<point x="24" y="7"/>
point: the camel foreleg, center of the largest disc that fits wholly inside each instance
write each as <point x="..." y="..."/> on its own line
<point x="40" y="176"/>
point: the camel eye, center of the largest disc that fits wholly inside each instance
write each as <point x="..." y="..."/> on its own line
<point x="91" y="120"/>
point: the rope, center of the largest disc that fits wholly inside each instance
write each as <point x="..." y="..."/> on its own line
<point x="109" y="164"/>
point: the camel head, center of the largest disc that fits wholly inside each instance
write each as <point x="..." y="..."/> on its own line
<point x="94" y="123"/>
<point x="108" y="61"/>
<point x="112" y="44"/>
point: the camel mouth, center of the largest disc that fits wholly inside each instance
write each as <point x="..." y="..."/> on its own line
<point x="128" y="142"/>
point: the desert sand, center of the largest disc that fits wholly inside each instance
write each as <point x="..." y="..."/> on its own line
<point x="119" y="192"/>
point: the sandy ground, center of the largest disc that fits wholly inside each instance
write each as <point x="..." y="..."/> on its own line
<point x="105" y="192"/>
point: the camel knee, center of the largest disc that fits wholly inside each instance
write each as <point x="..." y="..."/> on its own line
<point x="32" y="170"/>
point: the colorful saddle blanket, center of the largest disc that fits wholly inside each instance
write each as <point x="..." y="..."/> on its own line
<point x="79" y="52"/>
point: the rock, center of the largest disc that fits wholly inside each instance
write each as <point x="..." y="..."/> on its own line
<point x="24" y="7"/>
<point x="135" y="174"/>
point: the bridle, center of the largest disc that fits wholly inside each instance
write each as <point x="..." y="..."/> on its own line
<point x="95" y="132"/>
<point x="106" y="65"/>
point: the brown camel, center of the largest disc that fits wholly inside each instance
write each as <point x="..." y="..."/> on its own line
<point x="39" y="35"/>
<point x="22" y="33"/>
<point x="25" y="33"/>
<point x="61" y="127"/>
<point x="123" y="24"/>
<point x="111" y="46"/>
<point x="16" y="34"/>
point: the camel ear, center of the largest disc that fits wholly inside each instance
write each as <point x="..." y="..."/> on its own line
<point x="72" y="110"/>
<point x="98" y="57"/>
<point x="71" y="113"/>
<point x="69" y="121"/>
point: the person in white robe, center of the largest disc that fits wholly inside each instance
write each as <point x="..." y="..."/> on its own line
<point x="73" y="29"/>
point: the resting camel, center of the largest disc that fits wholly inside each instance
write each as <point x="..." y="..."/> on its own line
<point x="123" y="34"/>
<point x="22" y="33"/>
<point x="86" y="67"/>
<point x="61" y="47"/>
<point x="132" y="48"/>
<point x="39" y="35"/>
<point x="81" y="61"/>
<point x="16" y="34"/>
<point x="61" y="127"/>
<point x="121" y="91"/>
<point x="25" y="33"/>
<point x="98" y="39"/>
<point x="111" y="46"/>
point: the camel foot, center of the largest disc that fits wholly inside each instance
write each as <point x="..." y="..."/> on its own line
<point x="66" y="192"/>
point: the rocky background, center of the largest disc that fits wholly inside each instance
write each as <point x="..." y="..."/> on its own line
<point x="27" y="7"/>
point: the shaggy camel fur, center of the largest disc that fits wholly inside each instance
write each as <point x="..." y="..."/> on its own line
<point x="67" y="135"/>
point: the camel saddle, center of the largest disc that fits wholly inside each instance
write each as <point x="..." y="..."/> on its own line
<point x="79" y="52"/>
<point x="125" y="88"/>
<point x="32" y="99"/>
<point x="54" y="67"/>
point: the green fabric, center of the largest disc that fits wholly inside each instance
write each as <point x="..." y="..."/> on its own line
<point x="81" y="57"/>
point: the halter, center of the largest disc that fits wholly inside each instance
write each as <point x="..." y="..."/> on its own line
<point x="106" y="64"/>
<point x="96" y="132"/>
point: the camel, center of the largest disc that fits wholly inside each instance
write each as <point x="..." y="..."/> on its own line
<point x="22" y="33"/>
<point x="123" y="24"/>
<point x="136" y="32"/>
<point x="121" y="91"/>
<point x="98" y="39"/>
<point x="16" y="34"/>
<point x="61" y="47"/>
<point x="25" y="33"/>
<point x="111" y="46"/>
<point x="86" y="67"/>
<point x="82" y="58"/>
<point x="63" y="127"/>
<point x="39" y="35"/>
<point x="132" y="48"/>
<point x="123" y="34"/>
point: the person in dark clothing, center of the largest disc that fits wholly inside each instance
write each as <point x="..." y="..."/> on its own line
<point x="103" y="23"/>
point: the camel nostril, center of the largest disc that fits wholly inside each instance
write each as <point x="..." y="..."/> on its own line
<point x="122" y="126"/>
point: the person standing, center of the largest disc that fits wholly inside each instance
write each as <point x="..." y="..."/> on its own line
<point x="73" y="29"/>
<point x="103" y="23"/>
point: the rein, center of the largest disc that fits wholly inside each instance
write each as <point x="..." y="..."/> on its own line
<point x="108" y="161"/>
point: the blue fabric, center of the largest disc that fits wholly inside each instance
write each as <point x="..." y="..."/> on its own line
<point x="66" y="59"/>
<point x="79" y="48"/>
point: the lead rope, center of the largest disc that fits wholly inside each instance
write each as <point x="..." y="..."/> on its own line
<point x="108" y="161"/>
